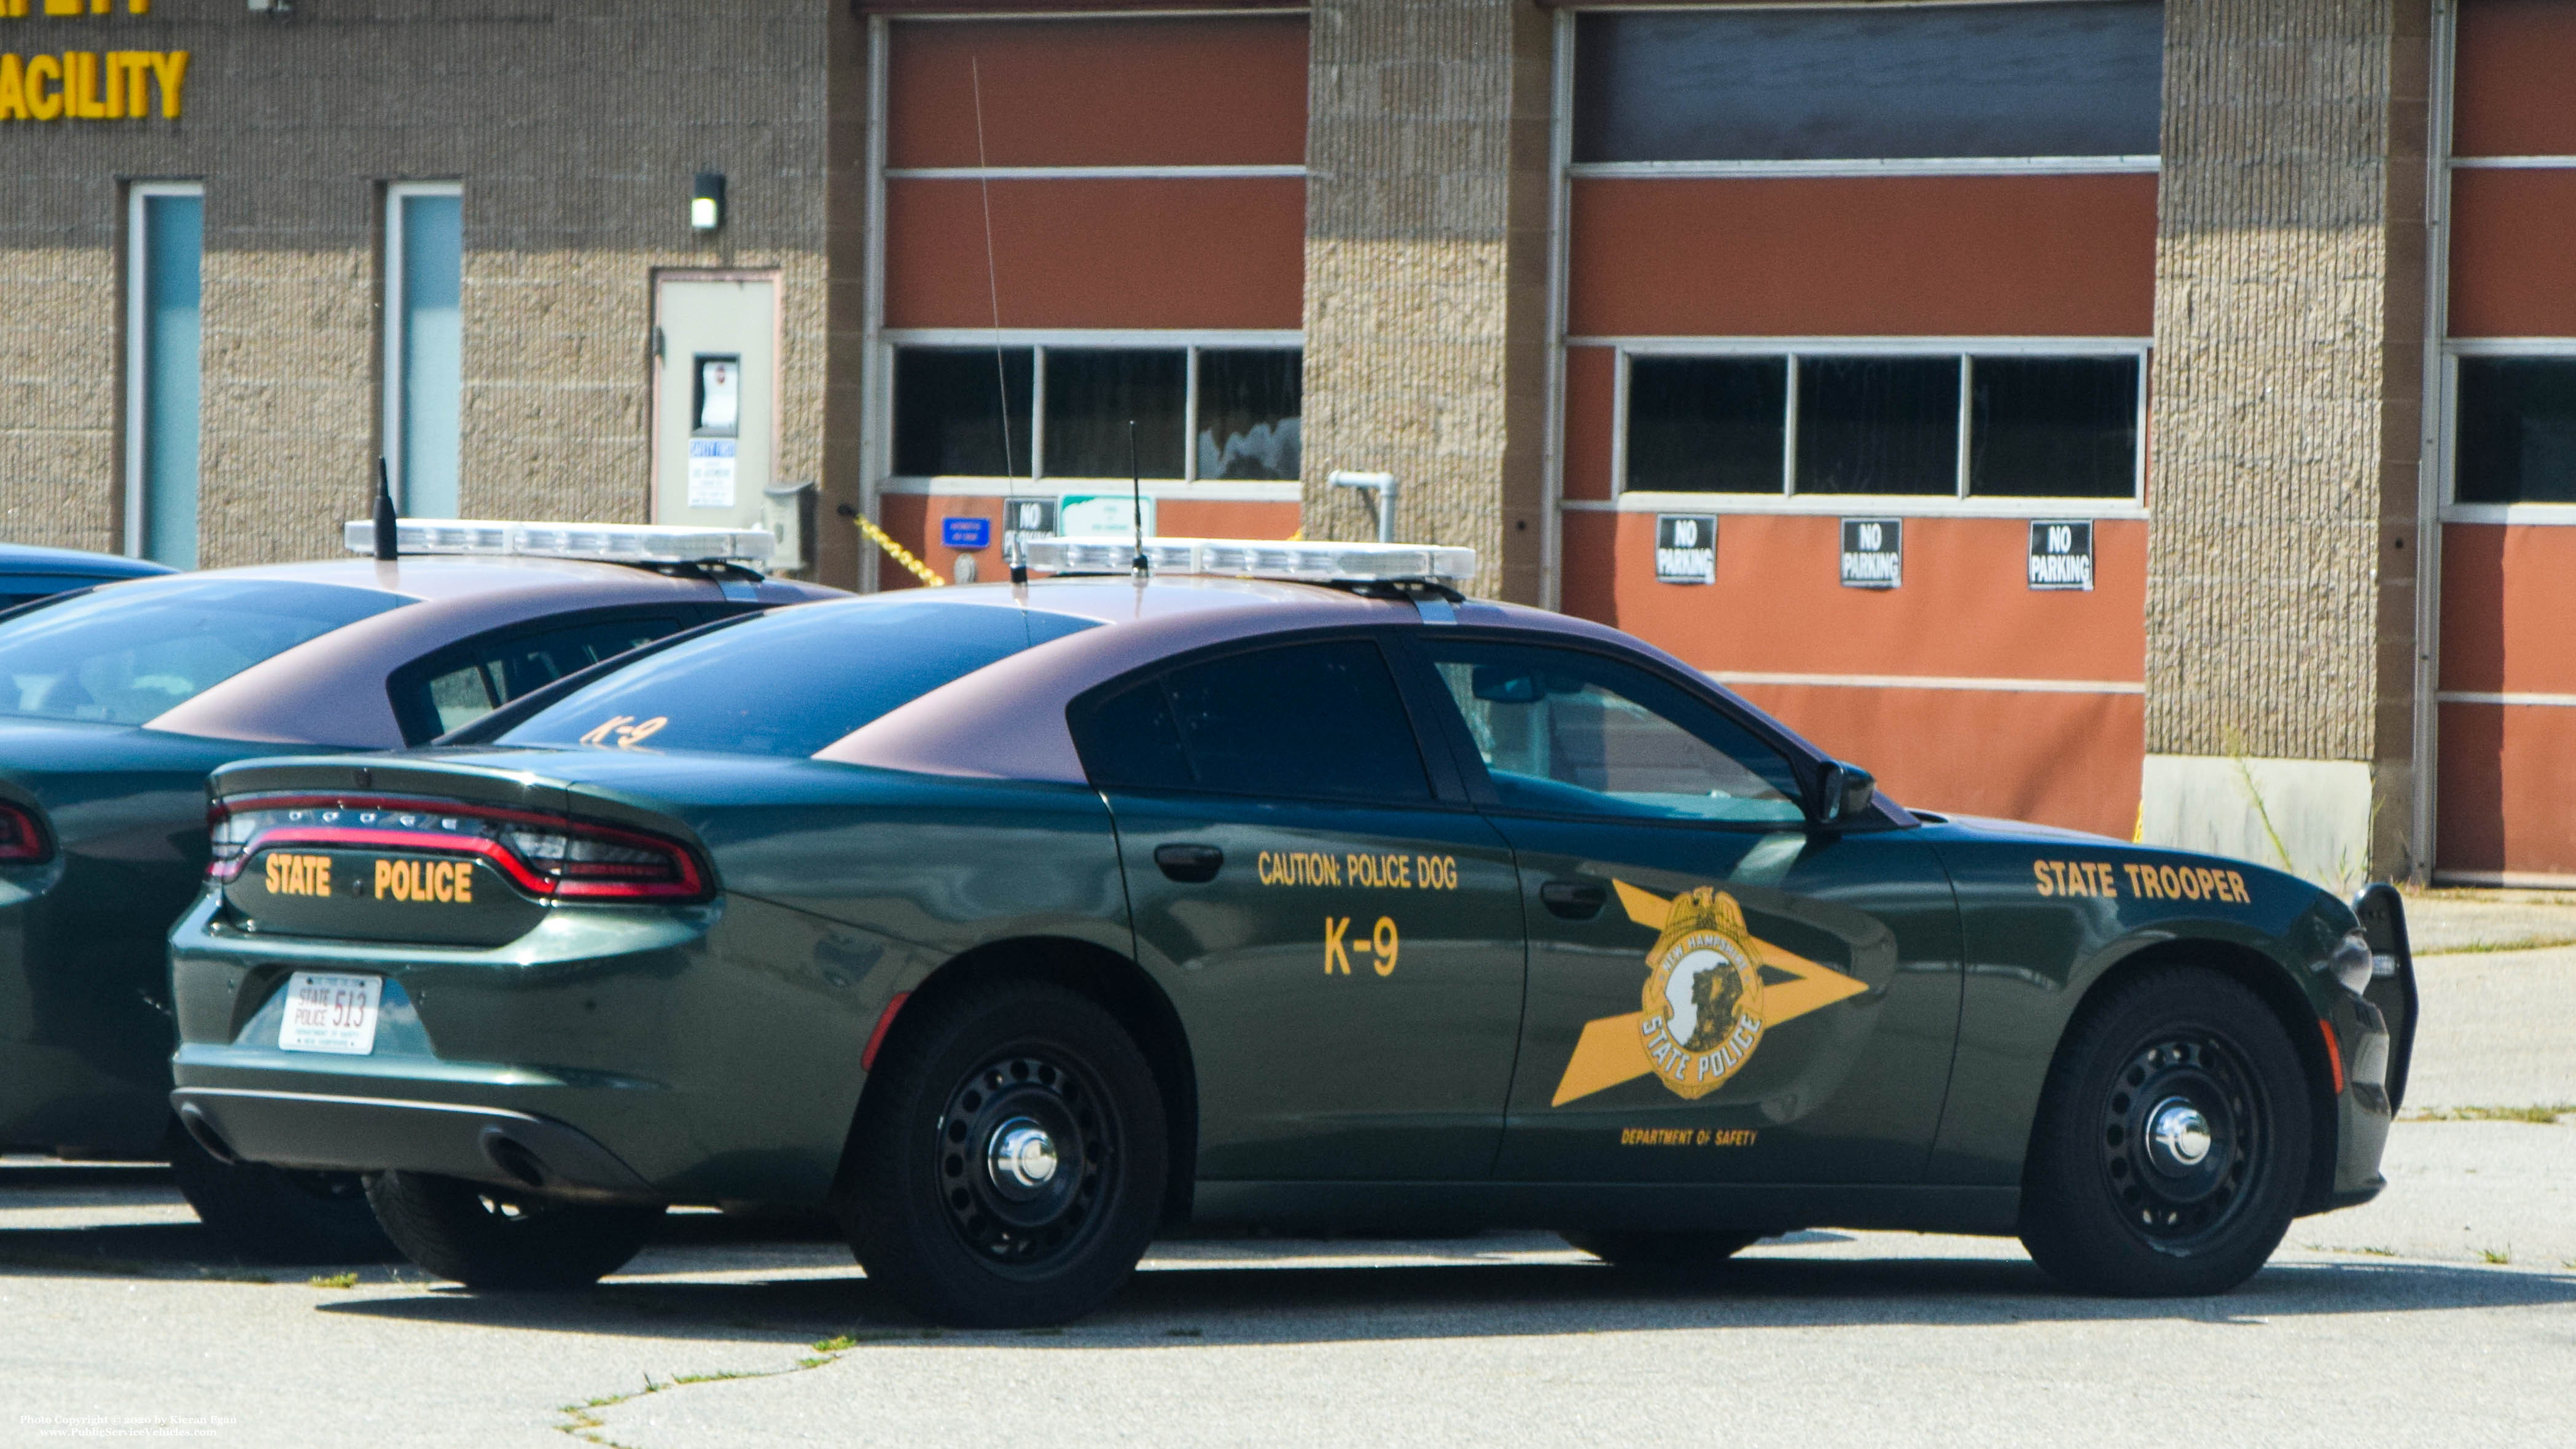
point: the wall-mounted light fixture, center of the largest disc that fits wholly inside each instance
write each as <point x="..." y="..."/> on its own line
<point x="706" y="201"/>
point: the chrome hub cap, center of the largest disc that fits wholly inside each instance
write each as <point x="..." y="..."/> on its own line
<point x="1021" y="1157"/>
<point x="2178" y="1135"/>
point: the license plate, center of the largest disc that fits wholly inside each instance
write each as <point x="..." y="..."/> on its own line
<point x="326" y="1012"/>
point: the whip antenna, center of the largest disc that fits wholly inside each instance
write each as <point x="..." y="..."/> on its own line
<point x="1011" y="555"/>
<point x="1136" y="482"/>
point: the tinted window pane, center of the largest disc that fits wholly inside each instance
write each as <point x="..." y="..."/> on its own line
<point x="1248" y="404"/>
<point x="1569" y="732"/>
<point x="127" y="654"/>
<point x="459" y="685"/>
<point x="1878" y="425"/>
<point x="791" y="682"/>
<point x="1869" y="81"/>
<point x="1314" y="721"/>
<point x="949" y="413"/>
<point x="2517" y="430"/>
<point x="2053" y="427"/>
<point x="1707" y="424"/>
<point x="1129" y="739"/>
<point x="1092" y="393"/>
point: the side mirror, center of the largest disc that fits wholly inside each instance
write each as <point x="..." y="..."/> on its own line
<point x="1843" y="792"/>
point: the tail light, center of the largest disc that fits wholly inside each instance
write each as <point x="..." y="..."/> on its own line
<point x="549" y="856"/>
<point x="22" y="839"/>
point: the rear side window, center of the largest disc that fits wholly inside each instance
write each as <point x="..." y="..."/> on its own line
<point x="1312" y="721"/>
<point x="791" y="682"/>
<point x="130" y="653"/>
<point x="462" y="683"/>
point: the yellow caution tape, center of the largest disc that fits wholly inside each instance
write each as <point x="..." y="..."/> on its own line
<point x="899" y="553"/>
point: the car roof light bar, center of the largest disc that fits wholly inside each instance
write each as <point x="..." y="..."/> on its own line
<point x="1302" y="562"/>
<point x="628" y="543"/>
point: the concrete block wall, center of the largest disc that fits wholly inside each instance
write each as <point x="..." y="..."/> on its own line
<point x="2289" y="330"/>
<point x="575" y="127"/>
<point x="1426" y="273"/>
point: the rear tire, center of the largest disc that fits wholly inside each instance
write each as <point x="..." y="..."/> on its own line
<point x="1007" y="1166"/>
<point x="1673" y="1254"/>
<point x="2172" y="1142"/>
<point x="491" y="1237"/>
<point x="278" y="1214"/>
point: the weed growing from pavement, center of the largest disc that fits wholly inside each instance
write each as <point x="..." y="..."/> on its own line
<point x="2498" y="1257"/>
<point x="582" y="1421"/>
<point x="2545" y="1115"/>
<point x="336" y="1280"/>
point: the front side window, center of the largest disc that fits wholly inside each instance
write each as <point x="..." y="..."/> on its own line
<point x="791" y="682"/>
<point x="1301" y="721"/>
<point x="130" y="653"/>
<point x="1562" y="731"/>
<point x="460" y="684"/>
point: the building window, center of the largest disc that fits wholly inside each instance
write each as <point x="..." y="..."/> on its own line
<point x="165" y="250"/>
<point x="1062" y="411"/>
<point x="2517" y="430"/>
<point x="2053" y="427"/>
<point x="2007" y="425"/>
<point x="1826" y="83"/>
<point x="1878" y="425"/>
<point x="424" y="344"/>
<point x="1111" y="412"/>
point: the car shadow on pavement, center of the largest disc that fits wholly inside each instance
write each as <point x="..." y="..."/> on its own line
<point x="1279" y="1305"/>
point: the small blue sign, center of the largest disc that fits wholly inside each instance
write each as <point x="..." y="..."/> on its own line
<point x="966" y="533"/>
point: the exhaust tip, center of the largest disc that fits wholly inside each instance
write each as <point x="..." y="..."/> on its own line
<point x="201" y="1129"/>
<point x="514" y="1158"/>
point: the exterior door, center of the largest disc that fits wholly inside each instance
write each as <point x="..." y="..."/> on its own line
<point x="1717" y="993"/>
<point x="1339" y="929"/>
<point x="715" y="412"/>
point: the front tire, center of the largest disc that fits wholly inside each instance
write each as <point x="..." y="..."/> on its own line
<point x="1007" y="1166"/>
<point x="278" y="1214"/>
<point x="491" y="1237"/>
<point x="2172" y="1142"/>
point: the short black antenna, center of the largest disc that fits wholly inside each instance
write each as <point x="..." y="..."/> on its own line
<point x="1136" y="480"/>
<point x="385" y="549"/>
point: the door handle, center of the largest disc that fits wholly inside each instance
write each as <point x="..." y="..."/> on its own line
<point x="1575" y="900"/>
<point x="1189" y="864"/>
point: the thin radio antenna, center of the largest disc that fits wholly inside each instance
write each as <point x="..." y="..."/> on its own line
<point x="993" y="286"/>
<point x="1136" y="482"/>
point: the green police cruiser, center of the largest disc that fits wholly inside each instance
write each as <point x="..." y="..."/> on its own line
<point x="1269" y="884"/>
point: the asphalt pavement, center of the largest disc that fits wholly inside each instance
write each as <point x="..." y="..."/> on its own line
<point x="2444" y="1313"/>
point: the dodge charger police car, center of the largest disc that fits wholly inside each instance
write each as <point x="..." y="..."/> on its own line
<point x="1013" y="923"/>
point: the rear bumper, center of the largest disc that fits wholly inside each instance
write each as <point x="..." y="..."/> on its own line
<point x="367" y="1134"/>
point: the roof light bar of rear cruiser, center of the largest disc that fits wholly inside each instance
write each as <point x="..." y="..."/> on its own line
<point x="1302" y="562"/>
<point x="628" y="543"/>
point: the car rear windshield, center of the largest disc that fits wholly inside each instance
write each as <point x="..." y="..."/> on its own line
<point x="791" y="682"/>
<point x="129" y="653"/>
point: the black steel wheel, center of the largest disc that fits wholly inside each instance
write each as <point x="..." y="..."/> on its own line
<point x="2172" y="1141"/>
<point x="490" y="1237"/>
<point x="1006" y="1168"/>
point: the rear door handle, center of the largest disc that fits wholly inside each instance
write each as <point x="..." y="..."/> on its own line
<point x="1573" y="899"/>
<point x="1189" y="864"/>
